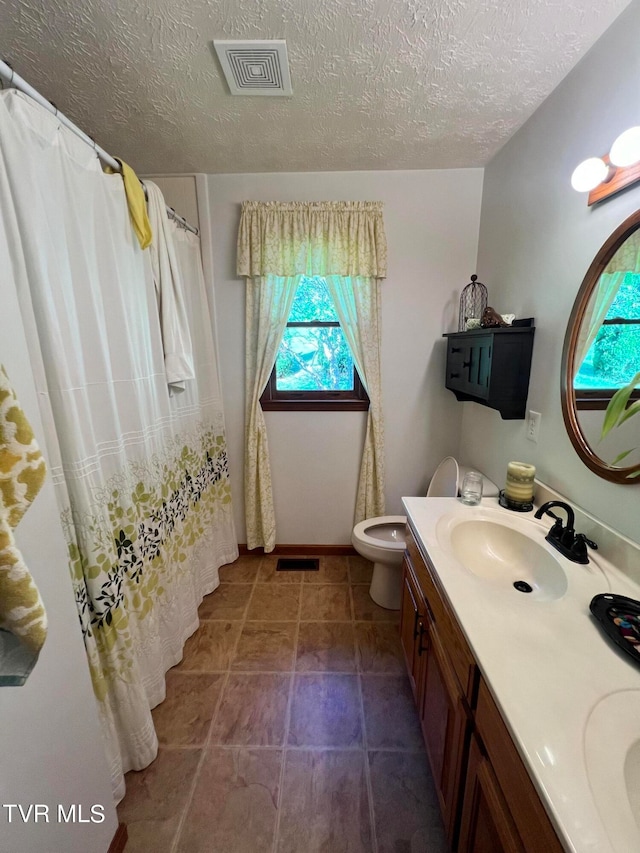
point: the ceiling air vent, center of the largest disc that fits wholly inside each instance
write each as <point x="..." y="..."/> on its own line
<point x="255" y="67"/>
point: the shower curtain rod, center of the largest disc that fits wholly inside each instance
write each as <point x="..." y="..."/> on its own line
<point x="15" y="81"/>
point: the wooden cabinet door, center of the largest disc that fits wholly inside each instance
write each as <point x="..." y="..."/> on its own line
<point x="446" y="727"/>
<point x="486" y="825"/>
<point x="411" y="614"/>
<point x="512" y="778"/>
<point x="480" y="367"/>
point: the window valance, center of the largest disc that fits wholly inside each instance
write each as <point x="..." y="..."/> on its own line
<point x="312" y="238"/>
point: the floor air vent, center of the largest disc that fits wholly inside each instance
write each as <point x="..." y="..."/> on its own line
<point x="255" y="67"/>
<point x="296" y="564"/>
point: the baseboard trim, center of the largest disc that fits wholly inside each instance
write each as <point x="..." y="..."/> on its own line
<point x="119" y="840"/>
<point x="302" y="550"/>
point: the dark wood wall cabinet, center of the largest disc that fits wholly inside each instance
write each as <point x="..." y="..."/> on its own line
<point x="491" y="367"/>
<point x="487" y="799"/>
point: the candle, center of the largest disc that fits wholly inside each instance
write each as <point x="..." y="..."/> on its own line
<point x="519" y="486"/>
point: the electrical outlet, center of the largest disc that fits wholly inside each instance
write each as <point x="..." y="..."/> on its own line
<point x="533" y="425"/>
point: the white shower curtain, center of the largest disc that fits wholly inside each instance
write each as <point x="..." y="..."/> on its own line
<point x="141" y="478"/>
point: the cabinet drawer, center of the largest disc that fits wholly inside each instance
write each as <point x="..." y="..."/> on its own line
<point x="456" y="373"/>
<point x="451" y="636"/>
<point x="534" y="826"/>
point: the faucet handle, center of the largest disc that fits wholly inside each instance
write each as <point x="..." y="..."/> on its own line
<point x="579" y="548"/>
<point x="582" y="538"/>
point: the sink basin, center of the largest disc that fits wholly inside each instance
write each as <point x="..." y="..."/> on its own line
<point x="612" y="759"/>
<point x="504" y="555"/>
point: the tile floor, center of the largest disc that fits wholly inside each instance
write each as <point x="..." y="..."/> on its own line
<point x="288" y="727"/>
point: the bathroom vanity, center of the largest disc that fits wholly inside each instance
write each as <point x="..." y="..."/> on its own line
<point x="506" y="682"/>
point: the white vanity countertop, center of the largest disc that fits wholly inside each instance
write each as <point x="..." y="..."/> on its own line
<point x="547" y="664"/>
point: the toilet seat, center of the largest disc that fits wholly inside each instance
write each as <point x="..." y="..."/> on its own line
<point x="444" y="483"/>
<point x="365" y="532"/>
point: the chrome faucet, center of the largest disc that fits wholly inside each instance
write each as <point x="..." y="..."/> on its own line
<point x="571" y="545"/>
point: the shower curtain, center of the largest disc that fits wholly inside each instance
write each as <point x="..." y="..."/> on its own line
<point x="141" y="476"/>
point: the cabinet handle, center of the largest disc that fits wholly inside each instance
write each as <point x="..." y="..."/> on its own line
<point x="466" y="363"/>
<point x="422" y="633"/>
<point x="454" y="376"/>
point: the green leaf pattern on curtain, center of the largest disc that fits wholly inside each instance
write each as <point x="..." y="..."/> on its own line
<point x="133" y="546"/>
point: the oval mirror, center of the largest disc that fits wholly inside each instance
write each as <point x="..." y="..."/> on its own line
<point x="601" y="355"/>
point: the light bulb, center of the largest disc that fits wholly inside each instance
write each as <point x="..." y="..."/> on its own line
<point x="625" y="151"/>
<point x="589" y="174"/>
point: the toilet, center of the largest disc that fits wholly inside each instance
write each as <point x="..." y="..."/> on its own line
<point x="381" y="539"/>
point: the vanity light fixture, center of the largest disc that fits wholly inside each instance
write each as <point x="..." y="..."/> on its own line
<point x="603" y="176"/>
<point x="625" y="151"/>
<point x="589" y="174"/>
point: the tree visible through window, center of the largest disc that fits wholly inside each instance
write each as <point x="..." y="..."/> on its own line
<point x="314" y="366"/>
<point x="612" y="359"/>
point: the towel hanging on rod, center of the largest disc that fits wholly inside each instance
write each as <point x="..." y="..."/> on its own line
<point x="137" y="196"/>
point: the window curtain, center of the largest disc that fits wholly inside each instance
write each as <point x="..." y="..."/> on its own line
<point x="277" y="243"/>
<point x="357" y="301"/>
<point x="626" y="259"/>
<point x="141" y="478"/>
<point x="268" y="304"/>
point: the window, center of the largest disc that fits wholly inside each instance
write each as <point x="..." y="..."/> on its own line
<point x="314" y="367"/>
<point x="612" y="359"/>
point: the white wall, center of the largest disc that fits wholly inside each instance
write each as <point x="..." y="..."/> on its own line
<point x="50" y="741"/>
<point x="432" y="220"/>
<point x="537" y="239"/>
<point x="179" y="192"/>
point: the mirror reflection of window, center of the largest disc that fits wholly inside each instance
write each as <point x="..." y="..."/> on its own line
<point x="608" y="351"/>
<point x="612" y="359"/>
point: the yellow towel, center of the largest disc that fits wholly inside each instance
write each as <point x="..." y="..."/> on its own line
<point x="22" y="473"/>
<point x="136" y="203"/>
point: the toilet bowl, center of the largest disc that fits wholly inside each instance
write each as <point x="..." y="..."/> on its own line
<point x="381" y="539"/>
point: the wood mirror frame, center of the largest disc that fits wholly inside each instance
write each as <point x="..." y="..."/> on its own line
<point x="567" y="394"/>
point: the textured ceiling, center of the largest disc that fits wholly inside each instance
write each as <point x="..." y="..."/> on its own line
<point x="378" y="84"/>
